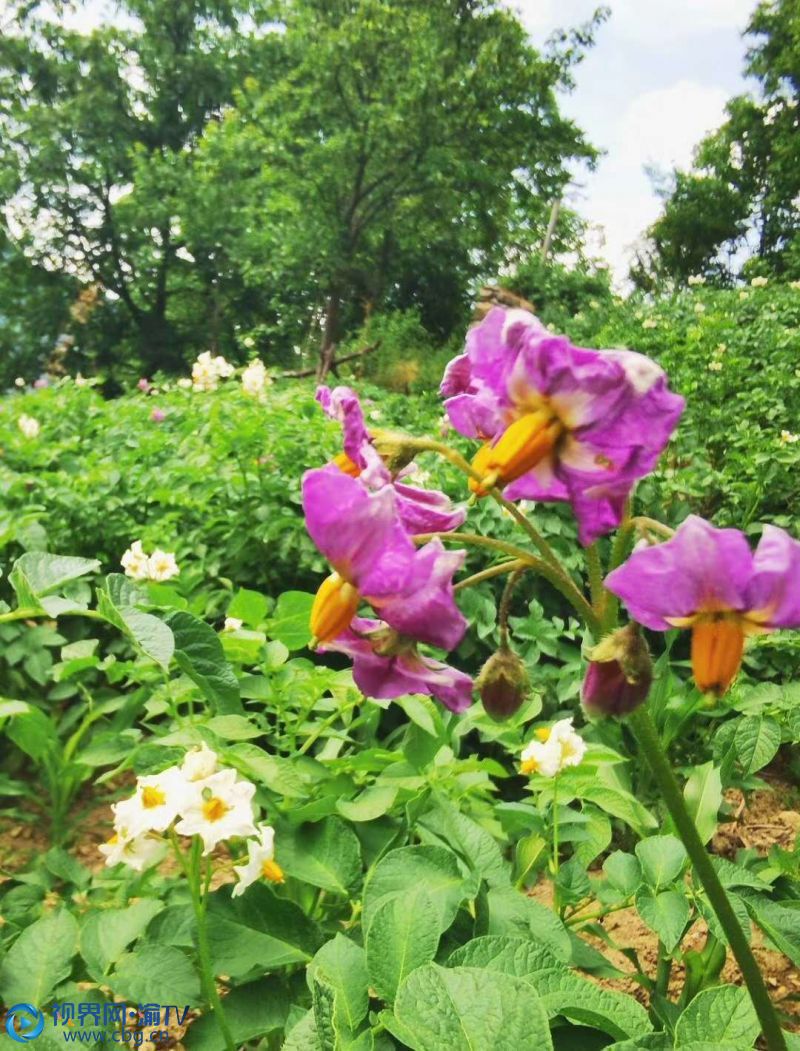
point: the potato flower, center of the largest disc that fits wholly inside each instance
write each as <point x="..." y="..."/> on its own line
<point x="420" y="510"/>
<point x="219" y="807"/>
<point x="232" y="624"/>
<point x="29" y="426"/>
<point x="261" y="863"/>
<point x="387" y="664"/>
<point x="555" y="749"/>
<point x="256" y="379"/>
<point x="375" y="561"/>
<point x="207" y="371"/>
<point x="199" y="763"/>
<point x="159" y="566"/>
<point x="137" y="852"/>
<point x="162" y="566"/>
<point x="157" y="801"/>
<point x="558" y="422"/>
<point x="709" y="580"/>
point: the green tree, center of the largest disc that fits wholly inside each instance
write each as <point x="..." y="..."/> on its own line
<point x="395" y="152"/>
<point x="738" y="209"/>
<point x="98" y="135"/>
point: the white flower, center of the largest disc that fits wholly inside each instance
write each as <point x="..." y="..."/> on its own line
<point x="699" y="308"/>
<point x="260" y="862"/>
<point x="220" y="807"/>
<point x="29" y="426"/>
<point x="184" y="383"/>
<point x="223" y="368"/>
<point x="137" y="852"/>
<point x="135" y="562"/>
<point x="81" y="381"/>
<point x="19" y="382"/>
<point x="207" y="371"/>
<point x="157" y="801"/>
<point x="650" y="322"/>
<point x="743" y="294"/>
<point x="255" y="379"/>
<point x="554" y="750"/>
<point x="232" y="624"/>
<point x="795" y="285"/>
<point x="199" y="763"/>
<point x="759" y="282"/>
<point x="162" y="566"/>
<point x="715" y="366"/>
<point x="788" y="438"/>
<point x="721" y="348"/>
<point x="248" y="342"/>
<point x="696" y="279"/>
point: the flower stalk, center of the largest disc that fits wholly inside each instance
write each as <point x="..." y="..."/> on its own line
<point x="650" y="745"/>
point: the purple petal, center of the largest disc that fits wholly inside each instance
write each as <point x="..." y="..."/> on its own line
<point x="358" y="531"/>
<point x="342" y="404"/>
<point x="699" y="569"/>
<point x="427" y="510"/>
<point x="774" y="591"/>
<point x="425" y="608"/>
<point x="389" y="677"/>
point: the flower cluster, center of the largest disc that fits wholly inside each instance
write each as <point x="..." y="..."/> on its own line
<point x="256" y="379"/>
<point x="207" y="371"/>
<point x="194" y="799"/>
<point x="558" y="422"/>
<point x="159" y="566"/>
<point x="554" y="749"/>
<point x="361" y="518"/>
<point x="29" y="426"/>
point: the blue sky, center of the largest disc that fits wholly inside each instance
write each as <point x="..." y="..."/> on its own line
<point x="656" y="81"/>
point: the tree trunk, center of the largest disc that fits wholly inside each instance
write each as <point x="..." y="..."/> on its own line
<point x="159" y="346"/>
<point x="330" y="332"/>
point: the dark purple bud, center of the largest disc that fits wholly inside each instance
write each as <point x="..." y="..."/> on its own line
<point x="619" y="675"/>
<point x="503" y="684"/>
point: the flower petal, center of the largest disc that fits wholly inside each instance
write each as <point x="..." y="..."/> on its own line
<point x="774" y="592"/>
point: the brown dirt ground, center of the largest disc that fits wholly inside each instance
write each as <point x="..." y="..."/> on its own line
<point x="770" y="816"/>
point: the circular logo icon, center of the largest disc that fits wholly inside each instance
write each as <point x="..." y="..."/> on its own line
<point x="24" y="1022"/>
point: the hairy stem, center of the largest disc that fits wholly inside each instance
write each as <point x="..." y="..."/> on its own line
<point x="492" y="571"/>
<point x="650" y="745"/>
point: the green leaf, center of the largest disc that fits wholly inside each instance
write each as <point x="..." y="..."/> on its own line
<point x="233" y="728"/>
<point x="703" y="795"/>
<point x="290" y="620"/>
<point x="511" y="912"/>
<point x="39" y="959"/>
<point x="474" y="844"/>
<point x="662" y="859"/>
<point x="407" y="867"/>
<point x="562" y="992"/>
<point x="149" y="633"/>
<point x="257" y="930"/>
<point x="623" y="872"/>
<point x="468" y="1008"/>
<point x="403" y="935"/>
<point x="326" y="854"/>
<point x="38" y="573"/>
<point x="252" y="1011"/>
<point x="666" y="913"/>
<point x="342" y="965"/>
<point x="756" y="741"/>
<point x="780" y="924"/>
<point x="373" y="802"/>
<point x="618" y="803"/>
<point x="106" y="933"/>
<point x="249" y="606"/>
<point x="144" y="976"/>
<point x="724" y="1013"/>
<point x="199" y="653"/>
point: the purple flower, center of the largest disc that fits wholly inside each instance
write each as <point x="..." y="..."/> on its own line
<point x="387" y="664"/>
<point x="144" y="385"/>
<point x="158" y="416"/>
<point x="709" y="580"/>
<point x="421" y="510"/>
<point x="360" y="533"/>
<point x="558" y="422"/>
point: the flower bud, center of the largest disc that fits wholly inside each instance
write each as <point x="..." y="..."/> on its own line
<point x="620" y="674"/>
<point x="503" y="684"/>
<point x="397" y="450"/>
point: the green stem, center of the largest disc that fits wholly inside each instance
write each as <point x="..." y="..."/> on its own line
<point x="663" y="969"/>
<point x="492" y="571"/>
<point x="560" y="581"/>
<point x="505" y="604"/>
<point x="198" y="885"/>
<point x="554" y="866"/>
<point x="594" y="569"/>
<point x="647" y="735"/>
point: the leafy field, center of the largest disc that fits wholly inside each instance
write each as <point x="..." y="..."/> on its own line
<point x="386" y="899"/>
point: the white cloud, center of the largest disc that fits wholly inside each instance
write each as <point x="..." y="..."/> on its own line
<point x="660" y="128"/>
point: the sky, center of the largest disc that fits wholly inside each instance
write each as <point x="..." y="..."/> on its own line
<point x="656" y="81"/>
<point x="654" y="84"/>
